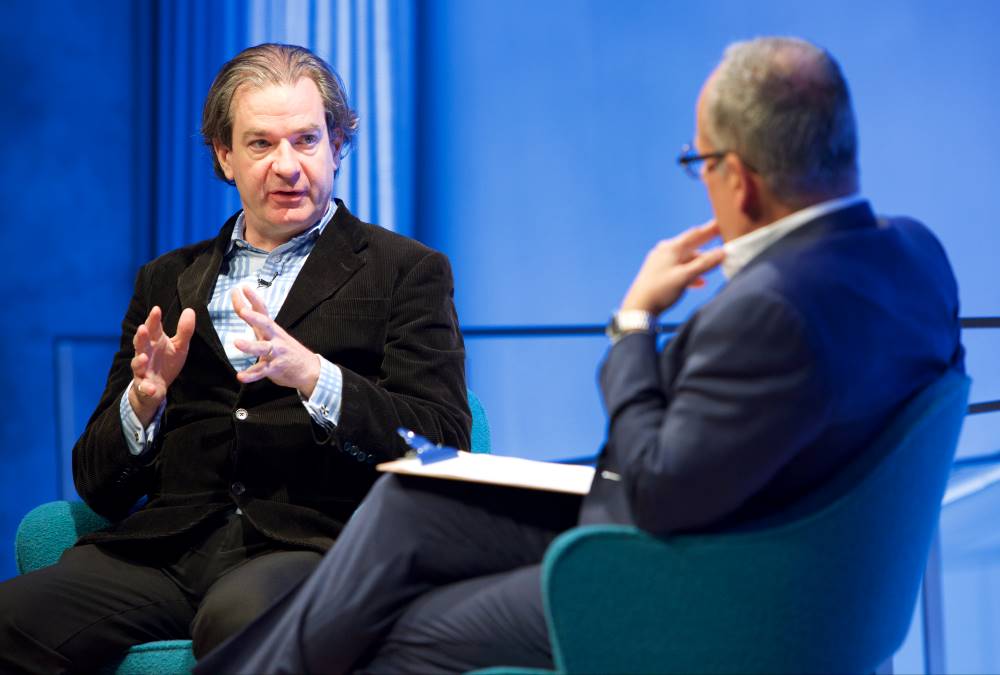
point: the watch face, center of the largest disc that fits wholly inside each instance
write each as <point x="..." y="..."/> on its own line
<point x="611" y="329"/>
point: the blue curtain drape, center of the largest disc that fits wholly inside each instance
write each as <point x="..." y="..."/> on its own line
<point x="370" y="43"/>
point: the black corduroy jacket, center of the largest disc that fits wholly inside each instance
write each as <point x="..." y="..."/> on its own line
<point x="377" y="304"/>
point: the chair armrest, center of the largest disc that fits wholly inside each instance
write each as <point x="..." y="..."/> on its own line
<point x="511" y="670"/>
<point x="48" y="530"/>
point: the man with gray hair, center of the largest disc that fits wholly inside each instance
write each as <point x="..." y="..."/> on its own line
<point x="831" y="320"/>
<point x="261" y="376"/>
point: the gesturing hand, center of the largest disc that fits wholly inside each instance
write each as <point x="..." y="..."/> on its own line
<point x="282" y="359"/>
<point x="672" y="266"/>
<point x="157" y="361"/>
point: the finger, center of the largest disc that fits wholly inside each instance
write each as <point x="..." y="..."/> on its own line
<point x="255" y="301"/>
<point x="698" y="235"/>
<point x="704" y="262"/>
<point x="140" y="363"/>
<point x="259" y="348"/>
<point x="266" y="330"/>
<point x="142" y="388"/>
<point x="263" y="327"/>
<point x="237" y="298"/>
<point x="185" y="329"/>
<point x="154" y="324"/>
<point x="240" y="305"/>
<point x="140" y="341"/>
<point x="254" y="373"/>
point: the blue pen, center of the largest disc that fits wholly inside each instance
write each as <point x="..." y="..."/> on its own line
<point x="425" y="451"/>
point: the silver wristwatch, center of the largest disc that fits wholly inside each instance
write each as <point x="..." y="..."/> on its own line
<point x="628" y="321"/>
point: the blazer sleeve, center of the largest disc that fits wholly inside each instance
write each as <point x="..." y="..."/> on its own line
<point x="746" y="395"/>
<point x="421" y="385"/>
<point x="108" y="477"/>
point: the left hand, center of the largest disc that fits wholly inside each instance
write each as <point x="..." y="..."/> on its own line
<point x="282" y="359"/>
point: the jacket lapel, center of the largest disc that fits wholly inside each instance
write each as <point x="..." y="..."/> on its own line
<point x="337" y="256"/>
<point x="195" y="284"/>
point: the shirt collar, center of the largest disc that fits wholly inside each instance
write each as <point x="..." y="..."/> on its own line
<point x="238" y="237"/>
<point x="740" y="251"/>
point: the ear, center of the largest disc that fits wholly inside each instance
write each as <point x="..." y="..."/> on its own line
<point x="223" y="154"/>
<point x="336" y="143"/>
<point x="744" y="186"/>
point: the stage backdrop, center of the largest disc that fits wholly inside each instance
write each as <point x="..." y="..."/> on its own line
<point x="533" y="142"/>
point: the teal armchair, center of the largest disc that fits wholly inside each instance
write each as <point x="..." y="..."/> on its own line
<point x="829" y="586"/>
<point x="51" y="528"/>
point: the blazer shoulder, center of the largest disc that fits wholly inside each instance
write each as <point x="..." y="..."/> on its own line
<point x="403" y="254"/>
<point x="914" y="232"/>
<point x="387" y="239"/>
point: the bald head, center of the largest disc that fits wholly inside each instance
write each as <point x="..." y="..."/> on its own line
<point x="783" y="106"/>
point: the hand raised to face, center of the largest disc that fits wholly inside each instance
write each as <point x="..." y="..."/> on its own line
<point x="672" y="266"/>
<point x="157" y="362"/>
<point x="281" y="358"/>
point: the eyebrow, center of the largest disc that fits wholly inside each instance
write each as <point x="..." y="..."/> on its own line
<point x="256" y="133"/>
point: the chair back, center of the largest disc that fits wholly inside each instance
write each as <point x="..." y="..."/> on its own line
<point x="831" y="588"/>
<point x="480" y="425"/>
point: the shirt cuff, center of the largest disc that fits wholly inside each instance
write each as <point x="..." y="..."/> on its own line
<point x="324" y="404"/>
<point x="137" y="438"/>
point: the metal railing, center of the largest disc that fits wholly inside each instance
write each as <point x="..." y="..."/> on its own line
<point x="595" y="329"/>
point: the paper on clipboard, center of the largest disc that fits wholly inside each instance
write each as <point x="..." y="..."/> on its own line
<point x="500" y="470"/>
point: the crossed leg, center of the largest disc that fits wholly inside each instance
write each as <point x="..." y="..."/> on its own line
<point x="462" y="551"/>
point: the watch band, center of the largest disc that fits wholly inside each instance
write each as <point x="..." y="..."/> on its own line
<point x="628" y="321"/>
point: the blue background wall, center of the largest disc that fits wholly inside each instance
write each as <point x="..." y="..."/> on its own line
<point x="544" y="138"/>
<point x="69" y="204"/>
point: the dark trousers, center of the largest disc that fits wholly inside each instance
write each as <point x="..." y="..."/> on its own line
<point x="428" y="576"/>
<point x="98" y="600"/>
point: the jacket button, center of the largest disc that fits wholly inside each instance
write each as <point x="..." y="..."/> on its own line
<point x="238" y="488"/>
<point x="242" y="414"/>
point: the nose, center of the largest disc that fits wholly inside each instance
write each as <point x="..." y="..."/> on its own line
<point x="285" y="163"/>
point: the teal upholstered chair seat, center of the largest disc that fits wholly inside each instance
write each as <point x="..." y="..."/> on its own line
<point x="829" y="586"/>
<point x="51" y="528"/>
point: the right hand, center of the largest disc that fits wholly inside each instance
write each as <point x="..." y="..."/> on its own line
<point x="672" y="266"/>
<point x="157" y="362"/>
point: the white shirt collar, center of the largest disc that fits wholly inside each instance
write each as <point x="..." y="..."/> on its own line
<point x="740" y="251"/>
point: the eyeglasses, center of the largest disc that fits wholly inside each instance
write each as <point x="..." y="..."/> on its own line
<point x="691" y="161"/>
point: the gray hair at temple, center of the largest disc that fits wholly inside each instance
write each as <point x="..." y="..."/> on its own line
<point x="275" y="64"/>
<point x="782" y="105"/>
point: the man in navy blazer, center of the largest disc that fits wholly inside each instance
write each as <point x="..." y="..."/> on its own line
<point x="832" y="319"/>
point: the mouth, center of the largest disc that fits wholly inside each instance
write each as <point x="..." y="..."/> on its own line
<point x="287" y="197"/>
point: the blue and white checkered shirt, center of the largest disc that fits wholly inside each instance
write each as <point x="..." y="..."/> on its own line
<point x="271" y="275"/>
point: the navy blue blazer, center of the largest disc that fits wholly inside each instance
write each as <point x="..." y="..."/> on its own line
<point x="788" y="373"/>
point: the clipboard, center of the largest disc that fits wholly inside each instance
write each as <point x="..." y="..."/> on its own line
<point x="499" y="470"/>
